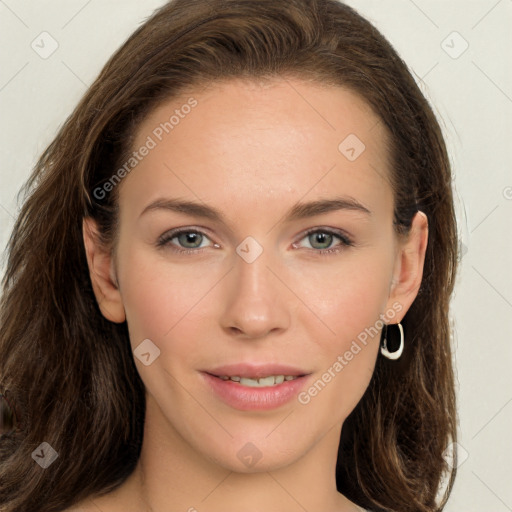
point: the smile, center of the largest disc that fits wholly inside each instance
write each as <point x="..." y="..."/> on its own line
<point x="262" y="393"/>
<point x="271" y="380"/>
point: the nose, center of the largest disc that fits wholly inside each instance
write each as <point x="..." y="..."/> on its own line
<point x="256" y="302"/>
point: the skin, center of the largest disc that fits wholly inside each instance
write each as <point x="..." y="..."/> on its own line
<point x="253" y="150"/>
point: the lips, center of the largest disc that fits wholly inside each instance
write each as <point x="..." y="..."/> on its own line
<point x="255" y="386"/>
<point x="256" y="370"/>
<point x="271" y="380"/>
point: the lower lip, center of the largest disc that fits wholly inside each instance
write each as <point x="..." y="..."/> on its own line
<point x="247" y="398"/>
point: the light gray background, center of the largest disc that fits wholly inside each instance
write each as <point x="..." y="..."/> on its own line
<point x="472" y="95"/>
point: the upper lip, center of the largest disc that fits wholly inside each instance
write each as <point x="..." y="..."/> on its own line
<point x="256" y="370"/>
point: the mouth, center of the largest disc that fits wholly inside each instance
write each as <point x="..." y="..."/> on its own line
<point x="254" y="382"/>
<point x="255" y="386"/>
<point x="257" y="374"/>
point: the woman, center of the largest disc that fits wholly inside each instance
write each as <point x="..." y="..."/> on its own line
<point x="229" y="286"/>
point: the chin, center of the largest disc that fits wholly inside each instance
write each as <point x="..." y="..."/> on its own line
<point x="256" y="453"/>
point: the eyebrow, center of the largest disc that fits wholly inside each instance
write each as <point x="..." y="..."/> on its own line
<point x="297" y="212"/>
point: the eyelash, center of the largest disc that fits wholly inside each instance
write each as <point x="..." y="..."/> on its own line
<point x="165" y="241"/>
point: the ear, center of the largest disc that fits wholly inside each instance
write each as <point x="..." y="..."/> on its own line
<point x="102" y="273"/>
<point x="408" y="271"/>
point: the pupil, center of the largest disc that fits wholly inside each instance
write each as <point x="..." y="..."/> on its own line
<point x="323" y="239"/>
<point x="190" y="238"/>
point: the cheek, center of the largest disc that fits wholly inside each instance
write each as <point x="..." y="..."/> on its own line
<point x="348" y="296"/>
<point x="350" y="302"/>
<point x="159" y="297"/>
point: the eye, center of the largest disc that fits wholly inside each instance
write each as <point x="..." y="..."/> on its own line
<point x="321" y="241"/>
<point x="184" y="240"/>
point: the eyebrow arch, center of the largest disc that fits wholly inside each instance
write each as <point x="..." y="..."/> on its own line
<point x="297" y="211"/>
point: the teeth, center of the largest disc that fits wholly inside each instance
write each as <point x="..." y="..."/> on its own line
<point x="271" y="380"/>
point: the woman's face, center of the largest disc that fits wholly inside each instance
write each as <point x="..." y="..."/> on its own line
<point x="256" y="240"/>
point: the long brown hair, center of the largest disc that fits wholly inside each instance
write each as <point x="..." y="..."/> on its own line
<point x="69" y="373"/>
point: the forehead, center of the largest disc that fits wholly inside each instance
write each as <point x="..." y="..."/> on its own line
<point x="250" y="145"/>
